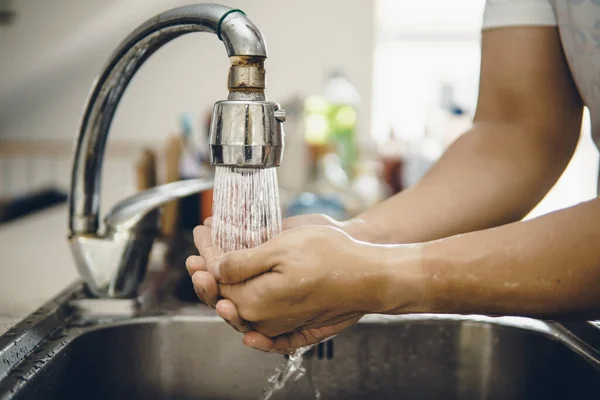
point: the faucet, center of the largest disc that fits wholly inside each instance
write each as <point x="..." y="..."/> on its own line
<point x="246" y="132"/>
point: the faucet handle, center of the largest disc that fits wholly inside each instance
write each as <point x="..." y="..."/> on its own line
<point x="114" y="264"/>
<point x="127" y="213"/>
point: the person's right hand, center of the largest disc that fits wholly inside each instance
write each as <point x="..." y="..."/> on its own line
<point x="209" y="292"/>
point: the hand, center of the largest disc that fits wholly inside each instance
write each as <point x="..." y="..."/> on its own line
<point x="206" y="286"/>
<point x="296" y="282"/>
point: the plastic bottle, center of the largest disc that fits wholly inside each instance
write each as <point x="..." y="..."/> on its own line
<point x="344" y="101"/>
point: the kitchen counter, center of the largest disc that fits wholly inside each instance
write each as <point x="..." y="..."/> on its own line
<point x="35" y="263"/>
<point x="35" y="259"/>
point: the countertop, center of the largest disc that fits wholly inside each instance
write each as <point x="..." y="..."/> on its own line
<point x="35" y="263"/>
<point x="35" y="259"/>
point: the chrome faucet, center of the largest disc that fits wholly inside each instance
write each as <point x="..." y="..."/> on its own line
<point x="246" y="131"/>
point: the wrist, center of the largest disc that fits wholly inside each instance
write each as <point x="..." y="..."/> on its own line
<point x="402" y="279"/>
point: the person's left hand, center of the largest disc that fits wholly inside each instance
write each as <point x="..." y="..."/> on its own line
<point x="310" y="281"/>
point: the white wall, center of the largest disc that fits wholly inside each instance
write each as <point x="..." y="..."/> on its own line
<point x="52" y="53"/>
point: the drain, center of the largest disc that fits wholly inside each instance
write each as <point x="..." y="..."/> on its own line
<point x="325" y="350"/>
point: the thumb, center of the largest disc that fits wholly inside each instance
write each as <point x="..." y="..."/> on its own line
<point x="239" y="266"/>
<point x="203" y="242"/>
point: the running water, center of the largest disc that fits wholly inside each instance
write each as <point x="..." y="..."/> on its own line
<point x="246" y="210"/>
<point x="246" y="213"/>
<point x="292" y="369"/>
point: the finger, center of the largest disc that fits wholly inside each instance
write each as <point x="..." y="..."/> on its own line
<point x="278" y="327"/>
<point x="258" y="341"/>
<point x="228" y="311"/>
<point x="206" y="287"/>
<point x="294" y="340"/>
<point x="194" y="264"/>
<point x="291" y="341"/>
<point x="208" y="222"/>
<point x="284" y="344"/>
<point x="203" y="242"/>
<point x="231" y="292"/>
<point x="239" y="266"/>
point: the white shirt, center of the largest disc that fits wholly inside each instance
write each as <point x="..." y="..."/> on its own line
<point x="578" y="22"/>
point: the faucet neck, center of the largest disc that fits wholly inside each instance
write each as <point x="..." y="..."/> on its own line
<point x="244" y="45"/>
<point x="247" y="74"/>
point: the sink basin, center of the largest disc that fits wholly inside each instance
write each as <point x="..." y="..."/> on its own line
<point x="411" y="357"/>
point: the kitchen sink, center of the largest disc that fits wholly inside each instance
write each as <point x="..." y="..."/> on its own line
<point x="78" y="348"/>
<point x="413" y="357"/>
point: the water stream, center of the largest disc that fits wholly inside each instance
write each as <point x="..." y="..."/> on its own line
<point x="287" y="373"/>
<point x="246" y="213"/>
<point x="246" y="209"/>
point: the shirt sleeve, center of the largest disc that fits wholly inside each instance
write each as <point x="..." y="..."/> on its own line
<point x="501" y="13"/>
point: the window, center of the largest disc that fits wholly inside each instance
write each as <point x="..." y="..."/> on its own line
<point x="422" y="46"/>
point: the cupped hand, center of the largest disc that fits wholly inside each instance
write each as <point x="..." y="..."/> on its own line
<point x="208" y="291"/>
<point x="205" y="284"/>
<point x="288" y="342"/>
<point x="208" y="288"/>
<point x="299" y="288"/>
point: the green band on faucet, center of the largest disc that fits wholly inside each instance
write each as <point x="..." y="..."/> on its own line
<point x="223" y="17"/>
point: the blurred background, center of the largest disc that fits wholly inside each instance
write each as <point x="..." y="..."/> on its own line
<point x="375" y="91"/>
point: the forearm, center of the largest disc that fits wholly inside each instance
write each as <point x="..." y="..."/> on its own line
<point x="546" y="267"/>
<point x="494" y="174"/>
<point x="526" y="128"/>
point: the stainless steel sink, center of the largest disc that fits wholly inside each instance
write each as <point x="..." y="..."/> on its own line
<point x="179" y="351"/>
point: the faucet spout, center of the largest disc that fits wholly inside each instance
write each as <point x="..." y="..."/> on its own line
<point x="242" y="40"/>
<point x="246" y="132"/>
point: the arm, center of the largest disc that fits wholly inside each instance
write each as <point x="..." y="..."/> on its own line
<point x="524" y="133"/>
<point x="545" y="267"/>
